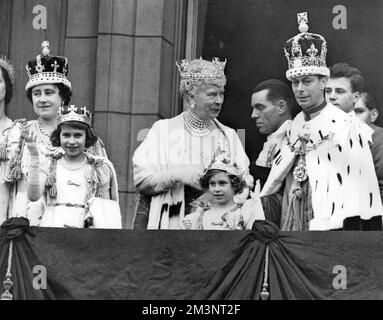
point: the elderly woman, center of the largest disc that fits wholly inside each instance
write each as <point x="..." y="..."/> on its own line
<point x="7" y="77"/>
<point x="172" y="158"/>
<point x="47" y="89"/>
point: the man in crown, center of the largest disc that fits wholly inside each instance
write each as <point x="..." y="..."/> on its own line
<point x="168" y="164"/>
<point x="48" y="88"/>
<point x="325" y="171"/>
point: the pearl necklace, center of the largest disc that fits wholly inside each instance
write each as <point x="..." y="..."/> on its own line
<point x="196" y="126"/>
<point x="42" y="130"/>
<point x="43" y="140"/>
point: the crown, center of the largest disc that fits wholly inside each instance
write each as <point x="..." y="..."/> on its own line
<point x="306" y="52"/>
<point x="4" y="62"/>
<point x="47" y="69"/>
<point x="223" y="161"/>
<point x="74" y="113"/>
<point x="200" y="69"/>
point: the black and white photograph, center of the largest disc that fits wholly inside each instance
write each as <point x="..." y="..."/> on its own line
<point x="135" y="133"/>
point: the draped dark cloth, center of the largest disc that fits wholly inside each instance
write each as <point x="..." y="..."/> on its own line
<point x="174" y="265"/>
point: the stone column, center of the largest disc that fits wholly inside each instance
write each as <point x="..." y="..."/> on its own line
<point x="135" y="79"/>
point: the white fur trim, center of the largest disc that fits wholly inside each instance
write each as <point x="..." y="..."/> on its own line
<point x="303" y="71"/>
<point x="46" y="78"/>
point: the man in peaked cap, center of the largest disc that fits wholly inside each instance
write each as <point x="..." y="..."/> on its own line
<point x="325" y="172"/>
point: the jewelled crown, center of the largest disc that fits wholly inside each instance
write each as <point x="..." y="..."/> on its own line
<point x="47" y="69"/>
<point x="306" y="52"/>
<point x="201" y="69"/>
<point x="223" y="161"/>
<point x="4" y="62"/>
<point x="74" y="113"/>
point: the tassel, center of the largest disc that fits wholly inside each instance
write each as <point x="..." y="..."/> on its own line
<point x="15" y="169"/>
<point x="7" y="283"/>
<point x="265" y="294"/>
<point x="50" y="181"/>
<point x="3" y="152"/>
<point x="52" y="191"/>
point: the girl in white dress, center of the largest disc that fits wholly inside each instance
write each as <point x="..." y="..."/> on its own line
<point x="7" y="78"/>
<point x="75" y="178"/>
<point x="225" y="210"/>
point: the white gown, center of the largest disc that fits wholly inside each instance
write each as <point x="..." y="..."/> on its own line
<point x="69" y="207"/>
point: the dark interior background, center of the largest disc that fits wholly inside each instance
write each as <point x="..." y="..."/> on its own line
<point x="251" y="34"/>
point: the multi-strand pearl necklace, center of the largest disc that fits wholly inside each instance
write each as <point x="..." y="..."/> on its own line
<point x="44" y="142"/>
<point x="196" y="126"/>
<point x="42" y="130"/>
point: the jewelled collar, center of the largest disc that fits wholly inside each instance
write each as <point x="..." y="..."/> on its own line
<point x="312" y="110"/>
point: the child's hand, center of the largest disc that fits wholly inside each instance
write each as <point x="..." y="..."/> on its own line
<point x="234" y="220"/>
<point x="187" y="224"/>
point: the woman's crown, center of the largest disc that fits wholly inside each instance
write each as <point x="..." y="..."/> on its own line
<point x="202" y="69"/>
<point x="4" y="62"/>
<point x="47" y="69"/>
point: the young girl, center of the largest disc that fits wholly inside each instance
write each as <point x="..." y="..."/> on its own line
<point x="75" y="177"/>
<point x="224" y="181"/>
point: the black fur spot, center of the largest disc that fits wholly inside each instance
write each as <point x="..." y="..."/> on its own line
<point x="164" y="208"/>
<point x="316" y="185"/>
<point x="348" y="169"/>
<point x="174" y="209"/>
<point x="351" y="143"/>
<point x="370" y="199"/>
<point x="318" y="161"/>
<point x="329" y="157"/>
<point x="277" y="161"/>
<point x="333" y="208"/>
<point x="339" y="177"/>
<point x="333" y="120"/>
<point x="342" y="205"/>
<point x="340" y="148"/>
<point x="321" y="135"/>
<point x="360" y="141"/>
<point x="277" y="153"/>
<point x="312" y="142"/>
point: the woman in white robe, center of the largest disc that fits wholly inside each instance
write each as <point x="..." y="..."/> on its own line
<point x="170" y="161"/>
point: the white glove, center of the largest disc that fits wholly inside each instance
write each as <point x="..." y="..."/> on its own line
<point x="187" y="174"/>
<point x="252" y="208"/>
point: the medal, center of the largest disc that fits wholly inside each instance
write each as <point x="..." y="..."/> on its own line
<point x="300" y="170"/>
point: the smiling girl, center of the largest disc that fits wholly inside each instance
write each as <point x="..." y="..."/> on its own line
<point x="224" y="181"/>
<point x="74" y="176"/>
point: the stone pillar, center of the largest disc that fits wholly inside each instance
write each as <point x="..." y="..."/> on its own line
<point x="135" y="79"/>
<point x="81" y="49"/>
